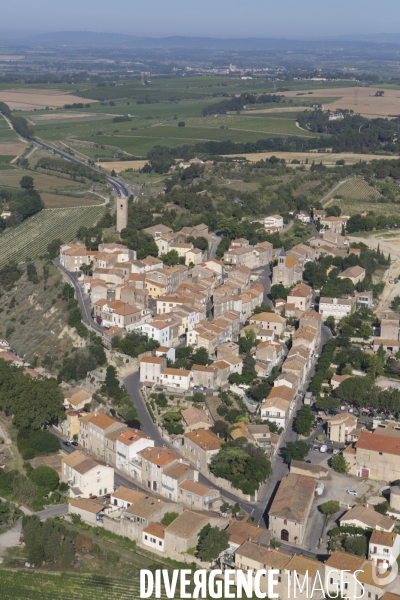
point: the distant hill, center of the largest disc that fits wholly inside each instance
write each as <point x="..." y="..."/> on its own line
<point x="104" y="39"/>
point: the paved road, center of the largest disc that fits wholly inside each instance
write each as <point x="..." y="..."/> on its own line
<point x="83" y="299"/>
<point x="264" y="277"/>
<point x="120" y="188"/>
<point x="279" y="467"/>
<point x="132" y="385"/>
<point x="215" y="242"/>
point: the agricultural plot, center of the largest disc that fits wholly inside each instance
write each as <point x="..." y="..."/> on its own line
<point x="30" y="239"/>
<point x="42" y="586"/>
<point x="358" y="189"/>
<point x="59" y="200"/>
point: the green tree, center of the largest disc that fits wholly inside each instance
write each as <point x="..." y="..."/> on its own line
<point x="27" y="182"/>
<point x="45" y="477"/>
<point x="356" y="545"/>
<point x="170" y="258"/>
<point x="330" y="507"/>
<point x="382" y="507"/>
<point x="340" y="464"/>
<point x="327" y="403"/>
<point x="295" y="451"/>
<point x="200" y="357"/>
<point x="53" y="248"/>
<point x="366" y="331"/>
<point x="331" y="323"/>
<point x="52" y="538"/>
<point x="279" y="291"/>
<point x="67" y="553"/>
<point x="169" y="517"/>
<point x="304" y="420"/>
<point x="212" y="541"/>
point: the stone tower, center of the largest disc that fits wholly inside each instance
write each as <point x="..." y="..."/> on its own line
<point x="122" y="213"/>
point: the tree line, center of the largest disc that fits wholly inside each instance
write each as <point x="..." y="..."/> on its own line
<point x="238" y="103"/>
<point x="65" y="166"/>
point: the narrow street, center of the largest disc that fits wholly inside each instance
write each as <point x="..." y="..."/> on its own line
<point x="279" y="468"/>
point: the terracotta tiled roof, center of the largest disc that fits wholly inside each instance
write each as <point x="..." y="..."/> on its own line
<point x="130" y="436"/>
<point x="102" y="421"/>
<point x="378" y="443"/>
<point x="154" y="360"/>
<point x="343" y="561"/>
<point x="240" y="532"/>
<point x="368" y="516"/>
<point x="92" y="506"/>
<point x="194" y="487"/>
<point x="127" y="494"/>
<point x="159" y="456"/>
<point x="275" y="559"/>
<point x="293" y="498"/>
<point x="155" y="529"/>
<point x="205" y="439"/>
<point x="187" y="524"/>
<point x="384" y="538"/>
<point x="303" y="565"/>
<point x="282" y="391"/>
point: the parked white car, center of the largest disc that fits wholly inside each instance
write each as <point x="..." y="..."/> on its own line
<point x="352" y="492"/>
<point x="323" y="448"/>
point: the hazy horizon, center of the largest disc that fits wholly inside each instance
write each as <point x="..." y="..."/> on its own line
<point x="224" y="19"/>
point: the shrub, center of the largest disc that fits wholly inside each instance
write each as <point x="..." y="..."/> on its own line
<point x="45" y="477"/>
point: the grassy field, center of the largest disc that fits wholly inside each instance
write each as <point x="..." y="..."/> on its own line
<point x="6" y="133"/>
<point x="18" y="585"/>
<point x="30" y="239"/>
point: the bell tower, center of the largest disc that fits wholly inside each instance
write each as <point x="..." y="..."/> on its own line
<point x="122" y="213"/>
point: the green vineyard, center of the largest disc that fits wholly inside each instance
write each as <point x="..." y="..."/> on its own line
<point x="358" y="189"/>
<point x="30" y="239"/>
<point x="25" y="585"/>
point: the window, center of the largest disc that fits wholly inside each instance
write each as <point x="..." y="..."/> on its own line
<point x="160" y="543"/>
<point x="285" y="522"/>
<point x="145" y="537"/>
<point x="331" y="580"/>
<point x="284" y="535"/>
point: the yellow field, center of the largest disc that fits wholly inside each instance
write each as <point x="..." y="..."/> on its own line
<point x="122" y="165"/>
<point x="327" y="158"/>
<point x="361" y="100"/>
<point x="29" y="99"/>
<point x="42" y="181"/>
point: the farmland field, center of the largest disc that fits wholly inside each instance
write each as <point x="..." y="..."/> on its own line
<point x="358" y="189"/>
<point x="59" y="201"/>
<point x="30" y="239"/>
<point x="362" y="100"/>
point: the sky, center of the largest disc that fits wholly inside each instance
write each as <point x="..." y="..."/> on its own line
<point x="306" y="19"/>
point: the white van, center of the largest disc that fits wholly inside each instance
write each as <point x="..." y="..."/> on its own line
<point x="323" y="448"/>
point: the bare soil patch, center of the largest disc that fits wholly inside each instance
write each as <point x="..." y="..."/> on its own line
<point x="122" y="165"/>
<point x="360" y="99"/>
<point x="11" y="149"/>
